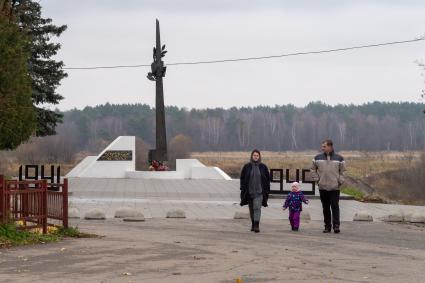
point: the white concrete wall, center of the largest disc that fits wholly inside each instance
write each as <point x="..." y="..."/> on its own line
<point x="185" y="169"/>
<point x="76" y="171"/>
<point x="166" y="175"/>
<point x="185" y="166"/>
<point x="209" y="173"/>
<point x="112" y="169"/>
<point x="91" y="167"/>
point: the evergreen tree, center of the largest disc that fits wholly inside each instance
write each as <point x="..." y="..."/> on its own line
<point x="45" y="73"/>
<point x="17" y="113"/>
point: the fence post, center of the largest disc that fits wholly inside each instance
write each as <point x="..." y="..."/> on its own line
<point x="65" y="203"/>
<point x="44" y="206"/>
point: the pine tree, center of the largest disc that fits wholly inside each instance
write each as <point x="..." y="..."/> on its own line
<point x="45" y="73"/>
<point x="17" y="113"/>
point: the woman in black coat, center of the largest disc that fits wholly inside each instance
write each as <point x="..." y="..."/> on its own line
<point x="255" y="188"/>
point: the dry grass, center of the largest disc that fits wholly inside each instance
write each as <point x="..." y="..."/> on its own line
<point x="232" y="162"/>
<point x="359" y="164"/>
<point x="391" y="175"/>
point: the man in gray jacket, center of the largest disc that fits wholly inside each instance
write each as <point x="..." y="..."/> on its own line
<point x="328" y="170"/>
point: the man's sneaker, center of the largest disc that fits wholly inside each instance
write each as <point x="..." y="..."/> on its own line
<point x="337" y="231"/>
<point x="295" y="229"/>
<point x="327" y="230"/>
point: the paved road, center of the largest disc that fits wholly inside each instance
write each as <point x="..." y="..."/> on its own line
<point x="220" y="250"/>
<point x="201" y="199"/>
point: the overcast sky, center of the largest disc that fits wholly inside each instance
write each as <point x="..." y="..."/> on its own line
<point x="107" y="32"/>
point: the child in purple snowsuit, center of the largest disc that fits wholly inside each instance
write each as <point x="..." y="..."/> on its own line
<point x="294" y="201"/>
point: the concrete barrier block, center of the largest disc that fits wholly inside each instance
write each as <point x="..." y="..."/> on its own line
<point x="417" y="218"/>
<point x="363" y="216"/>
<point x="176" y="213"/>
<point x="124" y="212"/>
<point x="241" y="215"/>
<point x="95" y="214"/>
<point x="407" y="217"/>
<point x="73" y="213"/>
<point x="397" y="216"/>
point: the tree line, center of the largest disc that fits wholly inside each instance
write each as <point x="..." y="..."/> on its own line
<point x="371" y="126"/>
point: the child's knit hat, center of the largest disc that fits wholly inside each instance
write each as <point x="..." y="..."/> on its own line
<point x="295" y="187"/>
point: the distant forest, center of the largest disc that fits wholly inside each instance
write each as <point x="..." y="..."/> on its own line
<point x="371" y="126"/>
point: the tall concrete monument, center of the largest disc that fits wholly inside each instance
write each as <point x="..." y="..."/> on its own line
<point x="157" y="73"/>
<point x="118" y="160"/>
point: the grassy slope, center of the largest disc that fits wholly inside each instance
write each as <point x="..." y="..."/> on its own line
<point x="11" y="236"/>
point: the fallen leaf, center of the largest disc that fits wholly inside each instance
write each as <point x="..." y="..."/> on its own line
<point x="127" y="273"/>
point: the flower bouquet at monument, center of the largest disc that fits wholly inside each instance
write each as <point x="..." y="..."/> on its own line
<point x="158" y="166"/>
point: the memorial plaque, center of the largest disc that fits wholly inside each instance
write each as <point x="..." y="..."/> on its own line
<point x="116" y="155"/>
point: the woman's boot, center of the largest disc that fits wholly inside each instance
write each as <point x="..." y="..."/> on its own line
<point x="251" y="215"/>
<point x="256" y="226"/>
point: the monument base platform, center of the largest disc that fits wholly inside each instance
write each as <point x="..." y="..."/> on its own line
<point x="118" y="161"/>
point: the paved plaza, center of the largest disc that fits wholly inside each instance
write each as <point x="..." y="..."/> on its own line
<point x="200" y="199"/>
<point x="221" y="250"/>
<point x="210" y="246"/>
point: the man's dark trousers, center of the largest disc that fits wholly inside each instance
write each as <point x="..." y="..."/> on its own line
<point x="330" y="200"/>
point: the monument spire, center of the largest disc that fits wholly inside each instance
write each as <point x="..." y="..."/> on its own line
<point x="157" y="73"/>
